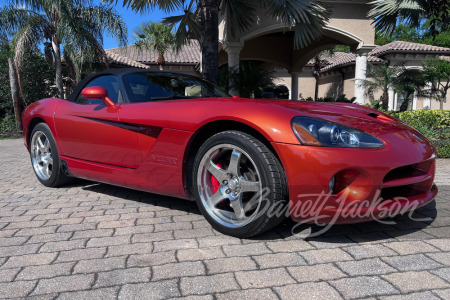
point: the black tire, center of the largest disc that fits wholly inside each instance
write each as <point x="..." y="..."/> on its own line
<point x="57" y="177"/>
<point x="271" y="178"/>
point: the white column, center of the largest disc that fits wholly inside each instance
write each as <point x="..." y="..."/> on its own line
<point x="294" y="85"/>
<point x="391" y="96"/>
<point x="233" y="50"/>
<point x="233" y="57"/>
<point x="395" y="101"/>
<point x="414" y="104"/>
<point x="360" y="76"/>
<point x="427" y="100"/>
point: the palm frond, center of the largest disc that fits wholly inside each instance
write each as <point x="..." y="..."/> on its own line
<point x="142" y="38"/>
<point x="147" y="5"/>
<point x="307" y="16"/>
<point x="250" y="79"/>
<point x="240" y="14"/>
<point x="156" y="36"/>
<point x="387" y="13"/>
<point x="104" y="19"/>
<point x="33" y="5"/>
<point x="187" y="25"/>
<point x="28" y="37"/>
<point x="13" y="18"/>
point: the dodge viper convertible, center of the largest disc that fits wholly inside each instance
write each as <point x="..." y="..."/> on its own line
<point x="247" y="163"/>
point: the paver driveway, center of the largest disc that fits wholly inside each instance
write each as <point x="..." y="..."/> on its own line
<point x="99" y="241"/>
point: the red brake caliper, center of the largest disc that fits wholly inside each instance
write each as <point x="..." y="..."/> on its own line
<point x="215" y="183"/>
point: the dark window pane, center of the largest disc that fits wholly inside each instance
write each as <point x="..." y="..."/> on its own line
<point x="149" y="86"/>
<point x="109" y="82"/>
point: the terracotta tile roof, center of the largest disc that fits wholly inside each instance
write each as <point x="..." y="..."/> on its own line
<point x="189" y="54"/>
<point x="123" y="60"/>
<point x="342" y="59"/>
<point x="407" y="47"/>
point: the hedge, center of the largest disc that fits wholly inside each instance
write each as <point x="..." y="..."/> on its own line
<point x="430" y="118"/>
<point x="434" y="124"/>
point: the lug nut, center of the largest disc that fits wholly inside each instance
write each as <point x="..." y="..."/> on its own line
<point x="227" y="191"/>
<point x="225" y="182"/>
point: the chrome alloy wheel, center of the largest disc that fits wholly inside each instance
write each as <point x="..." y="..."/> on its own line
<point x="41" y="155"/>
<point x="229" y="185"/>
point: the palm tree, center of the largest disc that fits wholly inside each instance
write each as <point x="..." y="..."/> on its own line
<point x="436" y="72"/>
<point x="381" y="77"/>
<point x="319" y="62"/>
<point x="250" y="80"/>
<point x="78" y="25"/>
<point x="201" y="21"/>
<point x="157" y="37"/>
<point x="15" y="92"/>
<point x="389" y="13"/>
<point x="407" y="83"/>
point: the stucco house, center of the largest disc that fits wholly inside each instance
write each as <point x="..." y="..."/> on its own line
<point x="269" y="41"/>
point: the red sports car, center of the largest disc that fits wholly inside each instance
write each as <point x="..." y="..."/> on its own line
<point x="246" y="162"/>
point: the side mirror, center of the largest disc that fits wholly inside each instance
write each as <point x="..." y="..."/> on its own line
<point x="95" y="93"/>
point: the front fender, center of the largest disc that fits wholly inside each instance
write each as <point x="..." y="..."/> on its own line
<point x="40" y="111"/>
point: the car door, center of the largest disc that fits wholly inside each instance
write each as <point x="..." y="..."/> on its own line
<point x="91" y="131"/>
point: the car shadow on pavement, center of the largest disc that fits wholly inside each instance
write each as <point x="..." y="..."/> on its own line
<point x="407" y="226"/>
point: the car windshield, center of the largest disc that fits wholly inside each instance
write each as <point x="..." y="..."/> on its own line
<point x="152" y="86"/>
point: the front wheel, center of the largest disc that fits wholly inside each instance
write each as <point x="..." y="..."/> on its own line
<point x="45" y="158"/>
<point x="240" y="184"/>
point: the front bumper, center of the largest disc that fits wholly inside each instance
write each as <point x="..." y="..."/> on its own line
<point x="369" y="183"/>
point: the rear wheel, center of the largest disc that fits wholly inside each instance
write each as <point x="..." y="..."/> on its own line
<point x="45" y="158"/>
<point x="239" y="184"/>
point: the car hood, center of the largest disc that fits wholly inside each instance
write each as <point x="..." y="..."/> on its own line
<point x="357" y="116"/>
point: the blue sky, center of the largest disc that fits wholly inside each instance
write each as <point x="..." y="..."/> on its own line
<point x="133" y="20"/>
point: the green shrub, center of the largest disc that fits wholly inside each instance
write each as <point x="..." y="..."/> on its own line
<point x="431" y="118"/>
<point x="7" y="124"/>
<point x="340" y="98"/>
<point x="434" y="124"/>
<point x="377" y="104"/>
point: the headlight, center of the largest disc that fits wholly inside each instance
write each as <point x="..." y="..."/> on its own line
<point x="316" y="132"/>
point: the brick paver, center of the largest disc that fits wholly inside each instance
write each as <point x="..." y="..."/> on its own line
<point x="96" y="241"/>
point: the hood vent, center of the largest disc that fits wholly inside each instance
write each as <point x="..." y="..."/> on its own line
<point x="373" y="115"/>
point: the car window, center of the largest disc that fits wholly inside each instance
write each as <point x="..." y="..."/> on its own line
<point x="153" y="86"/>
<point x="110" y="83"/>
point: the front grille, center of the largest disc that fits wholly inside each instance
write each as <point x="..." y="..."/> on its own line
<point x="408" y="181"/>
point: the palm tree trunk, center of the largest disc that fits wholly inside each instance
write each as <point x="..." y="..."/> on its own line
<point x="316" y="75"/>
<point x="316" y="90"/>
<point x="385" y="100"/>
<point x="15" y="92"/>
<point x="19" y="82"/>
<point x="210" y="39"/>
<point x="58" y="66"/>
<point x="404" y="106"/>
